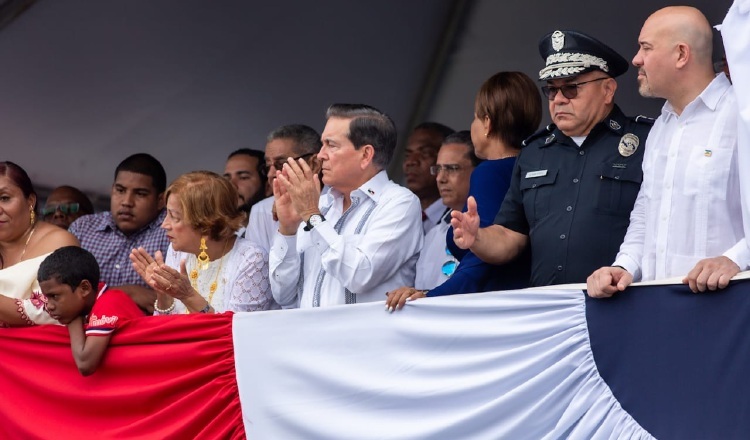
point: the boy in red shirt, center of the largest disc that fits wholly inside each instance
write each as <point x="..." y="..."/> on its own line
<point x="69" y="278"/>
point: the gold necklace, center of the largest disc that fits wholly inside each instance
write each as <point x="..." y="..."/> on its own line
<point x="215" y="284"/>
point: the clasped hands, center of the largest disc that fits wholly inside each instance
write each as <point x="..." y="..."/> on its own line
<point x="160" y="277"/>
<point x="296" y="192"/>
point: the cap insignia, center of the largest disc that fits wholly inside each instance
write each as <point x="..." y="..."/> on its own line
<point x="558" y="40"/>
<point x="628" y="144"/>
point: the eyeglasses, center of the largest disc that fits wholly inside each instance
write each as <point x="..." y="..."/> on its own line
<point x="569" y="91"/>
<point x="279" y="164"/>
<point x="449" y="266"/>
<point x="65" y="208"/>
<point x="449" y="169"/>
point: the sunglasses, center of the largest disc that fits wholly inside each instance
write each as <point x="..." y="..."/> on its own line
<point x="449" y="267"/>
<point x="570" y="91"/>
<point x="65" y="208"/>
<point x="279" y="164"/>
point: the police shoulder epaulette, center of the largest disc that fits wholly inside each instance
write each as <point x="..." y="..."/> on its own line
<point x="541" y="133"/>
<point x="644" y="120"/>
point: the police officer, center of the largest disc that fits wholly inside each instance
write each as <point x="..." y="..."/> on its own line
<point x="575" y="181"/>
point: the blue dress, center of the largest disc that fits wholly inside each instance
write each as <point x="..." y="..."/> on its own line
<point x="490" y="181"/>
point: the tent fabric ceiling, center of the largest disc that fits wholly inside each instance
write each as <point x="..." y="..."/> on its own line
<point x="84" y="84"/>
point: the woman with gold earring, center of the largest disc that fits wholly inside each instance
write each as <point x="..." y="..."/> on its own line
<point x="207" y="268"/>
<point x="24" y="243"/>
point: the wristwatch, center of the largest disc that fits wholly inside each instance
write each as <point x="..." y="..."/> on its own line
<point x="314" y="221"/>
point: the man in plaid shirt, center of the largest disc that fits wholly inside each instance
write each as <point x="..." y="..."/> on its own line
<point x="134" y="220"/>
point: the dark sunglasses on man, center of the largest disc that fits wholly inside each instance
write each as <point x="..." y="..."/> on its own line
<point x="569" y="91"/>
<point x="65" y="208"/>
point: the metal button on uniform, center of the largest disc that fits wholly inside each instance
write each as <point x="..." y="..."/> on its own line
<point x="559" y="267"/>
<point x="581" y="152"/>
<point x="562" y="236"/>
<point x="617" y="177"/>
<point x="569" y="208"/>
<point x="575" y="180"/>
<point x="533" y="185"/>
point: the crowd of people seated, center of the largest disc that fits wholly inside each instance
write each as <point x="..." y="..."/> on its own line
<point x="594" y="196"/>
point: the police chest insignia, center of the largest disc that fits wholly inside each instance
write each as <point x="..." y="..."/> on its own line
<point x="614" y="125"/>
<point x="628" y="144"/>
<point x="549" y="139"/>
<point x="558" y="40"/>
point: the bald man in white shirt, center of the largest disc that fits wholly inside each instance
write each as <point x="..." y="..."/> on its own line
<point x="687" y="219"/>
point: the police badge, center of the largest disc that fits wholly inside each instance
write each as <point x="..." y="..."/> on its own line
<point x="558" y="40"/>
<point x="628" y="144"/>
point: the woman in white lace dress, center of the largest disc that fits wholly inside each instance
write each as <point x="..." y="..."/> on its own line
<point x="207" y="269"/>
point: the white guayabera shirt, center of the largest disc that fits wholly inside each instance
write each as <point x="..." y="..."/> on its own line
<point x="689" y="206"/>
<point x="354" y="256"/>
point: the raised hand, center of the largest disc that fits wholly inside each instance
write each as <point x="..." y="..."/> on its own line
<point x="465" y="225"/>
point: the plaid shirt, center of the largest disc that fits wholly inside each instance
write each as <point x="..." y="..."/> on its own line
<point x="99" y="235"/>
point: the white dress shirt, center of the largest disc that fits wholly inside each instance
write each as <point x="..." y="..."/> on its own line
<point x="433" y="214"/>
<point x="261" y="227"/>
<point x="434" y="254"/>
<point x="689" y="205"/>
<point x="375" y="251"/>
<point x="735" y="32"/>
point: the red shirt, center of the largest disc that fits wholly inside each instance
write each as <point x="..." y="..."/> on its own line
<point x="111" y="309"/>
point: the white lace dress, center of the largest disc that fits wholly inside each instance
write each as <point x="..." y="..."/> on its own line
<point x="242" y="279"/>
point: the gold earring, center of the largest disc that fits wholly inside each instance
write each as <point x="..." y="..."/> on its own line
<point x="32" y="215"/>
<point x="203" y="259"/>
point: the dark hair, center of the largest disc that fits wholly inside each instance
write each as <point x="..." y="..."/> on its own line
<point x="70" y="265"/>
<point x="146" y="164"/>
<point x="260" y="168"/>
<point x="368" y="126"/>
<point x="439" y="129"/>
<point x="85" y="205"/>
<point x="464" y="137"/>
<point x="513" y="105"/>
<point x="306" y="140"/>
<point x="18" y="176"/>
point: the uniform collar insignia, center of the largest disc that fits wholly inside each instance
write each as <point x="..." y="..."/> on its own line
<point x="614" y="125"/>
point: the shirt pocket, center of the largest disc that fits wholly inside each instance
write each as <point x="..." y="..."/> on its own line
<point x="618" y="189"/>
<point x="537" y="195"/>
<point x="708" y="171"/>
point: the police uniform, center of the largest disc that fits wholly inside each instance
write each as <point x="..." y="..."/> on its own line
<point x="573" y="201"/>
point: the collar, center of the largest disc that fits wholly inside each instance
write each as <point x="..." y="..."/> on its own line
<point x="614" y="121"/>
<point x="373" y="188"/>
<point x="710" y="96"/>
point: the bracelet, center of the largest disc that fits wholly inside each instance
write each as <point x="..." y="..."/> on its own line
<point x="205" y="309"/>
<point x="166" y="311"/>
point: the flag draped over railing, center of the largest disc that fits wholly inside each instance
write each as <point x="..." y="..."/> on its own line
<point x="545" y="363"/>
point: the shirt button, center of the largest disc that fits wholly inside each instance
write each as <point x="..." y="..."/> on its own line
<point x="117" y="266"/>
<point x="559" y="267"/>
<point x="569" y="208"/>
<point x="562" y="236"/>
<point x="575" y="180"/>
<point x="581" y="152"/>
